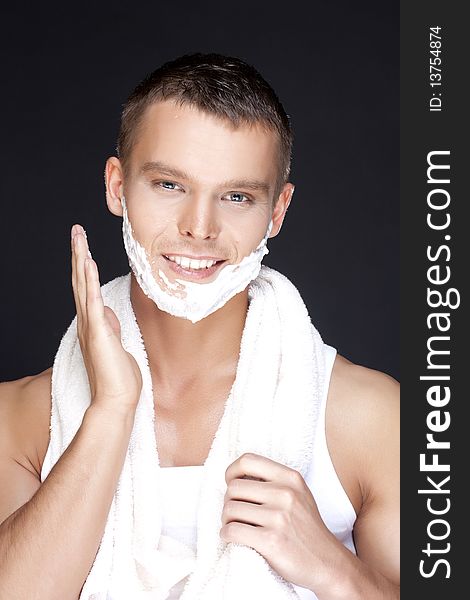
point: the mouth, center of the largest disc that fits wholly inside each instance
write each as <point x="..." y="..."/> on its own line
<point x="193" y="268"/>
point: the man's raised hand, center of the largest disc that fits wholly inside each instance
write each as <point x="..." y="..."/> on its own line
<point x="114" y="376"/>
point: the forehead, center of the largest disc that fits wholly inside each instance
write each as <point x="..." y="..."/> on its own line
<point x="201" y="144"/>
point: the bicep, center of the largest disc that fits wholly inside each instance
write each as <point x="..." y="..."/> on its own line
<point x="377" y="528"/>
<point x="17" y="485"/>
<point x="377" y="536"/>
<point x="18" y="481"/>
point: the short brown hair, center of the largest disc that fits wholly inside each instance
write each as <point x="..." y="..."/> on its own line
<point x="223" y="86"/>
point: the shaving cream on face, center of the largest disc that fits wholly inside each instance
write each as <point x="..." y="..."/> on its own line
<point x="188" y="299"/>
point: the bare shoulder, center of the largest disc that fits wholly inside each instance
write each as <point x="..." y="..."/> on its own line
<point x="25" y="407"/>
<point x="356" y="388"/>
<point x="362" y="423"/>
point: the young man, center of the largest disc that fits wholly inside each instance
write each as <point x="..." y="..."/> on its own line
<point x="201" y="183"/>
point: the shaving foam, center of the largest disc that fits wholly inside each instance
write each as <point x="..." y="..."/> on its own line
<point x="188" y="299"/>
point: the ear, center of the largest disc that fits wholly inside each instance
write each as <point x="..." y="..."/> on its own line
<point x="114" y="181"/>
<point x="280" y="208"/>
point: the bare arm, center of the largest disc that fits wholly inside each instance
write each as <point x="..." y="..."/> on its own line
<point x="51" y="532"/>
<point x="363" y="434"/>
<point x="47" y="546"/>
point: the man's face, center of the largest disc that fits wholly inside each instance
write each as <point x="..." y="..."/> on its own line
<point x="198" y="188"/>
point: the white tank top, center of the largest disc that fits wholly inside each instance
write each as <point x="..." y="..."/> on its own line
<point x="181" y="486"/>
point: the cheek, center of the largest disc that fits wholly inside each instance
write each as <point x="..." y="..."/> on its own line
<point x="150" y="219"/>
<point x="150" y="209"/>
<point x="247" y="243"/>
<point x="150" y="228"/>
<point x="247" y="229"/>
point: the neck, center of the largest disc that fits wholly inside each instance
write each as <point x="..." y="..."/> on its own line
<point x="179" y="350"/>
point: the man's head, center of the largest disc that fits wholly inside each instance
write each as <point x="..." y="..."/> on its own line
<point x="221" y="86"/>
<point x="204" y="154"/>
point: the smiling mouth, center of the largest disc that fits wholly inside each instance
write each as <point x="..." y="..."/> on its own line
<point x="191" y="267"/>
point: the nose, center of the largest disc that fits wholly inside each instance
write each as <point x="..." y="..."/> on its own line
<point x="198" y="218"/>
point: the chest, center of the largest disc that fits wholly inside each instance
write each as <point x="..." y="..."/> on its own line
<point x="188" y="417"/>
<point x="186" y="422"/>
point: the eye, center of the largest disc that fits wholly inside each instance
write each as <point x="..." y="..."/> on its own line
<point x="238" y="198"/>
<point x="166" y="185"/>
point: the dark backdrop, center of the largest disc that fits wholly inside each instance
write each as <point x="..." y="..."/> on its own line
<point x="65" y="74"/>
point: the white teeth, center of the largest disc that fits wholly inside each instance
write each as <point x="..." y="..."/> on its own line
<point x="191" y="263"/>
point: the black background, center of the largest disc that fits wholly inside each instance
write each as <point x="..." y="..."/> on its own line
<point x="66" y="73"/>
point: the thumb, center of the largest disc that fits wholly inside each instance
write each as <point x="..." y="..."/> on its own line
<point x="112" y="320"/>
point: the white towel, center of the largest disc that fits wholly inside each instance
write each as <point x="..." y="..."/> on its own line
<point x="272" y="410"/>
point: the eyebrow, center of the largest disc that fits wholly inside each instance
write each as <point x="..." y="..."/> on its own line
<point x="164" y="169"/>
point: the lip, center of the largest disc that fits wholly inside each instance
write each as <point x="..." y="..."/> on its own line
<point x="194" y="274"/>
<point x="217" y="258"/>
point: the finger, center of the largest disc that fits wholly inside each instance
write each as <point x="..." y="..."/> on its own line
<point x="75" y="229"/>
<point x="261" y="467"/>
<point x="79" y="266"/>
<point x="259" y="492"/>
<point x="113" y="321"/>
<point x="72" y="259"/>
<point x="94" y="299"/>
<point x="82" y="252"/>
<point x="241" y="533"/>
<point x="245" y="512"/>
<point x="249" y="491"/>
